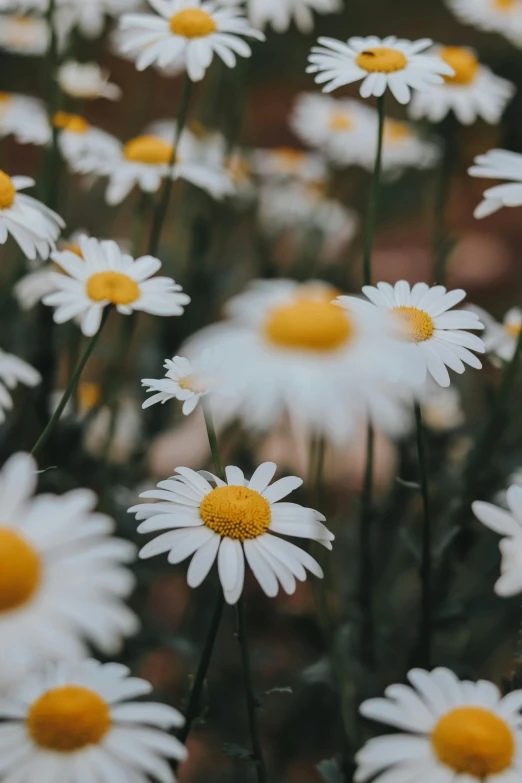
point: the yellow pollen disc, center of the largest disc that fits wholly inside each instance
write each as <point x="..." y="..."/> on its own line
<point x="463" y="62"/>
<point x="192" y="23"/>
<point x="418" y="325"/>
<point x="20" y="570"/>
<point x="148" y="149"/>
<point x="309" y="324"/>
<point x="70" y="122"/>
<point x="236" y="512"/>
<point x="68" y="719"/>
<point x="89" y="395"/>
<point x="113" y="286"/>
<point x="381" y="59"/>
<point x="474" y="741"/>
<point x="340" y="121"/>
<point x="395" y="132"/>
<point x="7" y="191"/>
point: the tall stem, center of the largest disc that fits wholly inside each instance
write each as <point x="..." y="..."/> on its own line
<point x="425" y="630"/>
<point x="212" y="439"/>
<point x="367" y="619"/>
<point x="257" y="751"/>
<point x="373" y="203"/>
<point x="162" y="205"/>
<point x="441" y="242"/>
<point x="73" y="383"/>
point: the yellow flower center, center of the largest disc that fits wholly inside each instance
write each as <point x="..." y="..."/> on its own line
<point x="112" y="286"/>
<point x="68" y="719"/>
<point x="89" y="395"/>
<point x="20" y="570"/>
<point x="192" y="23"/>
<point x="309" y="324"/>
<point x="192" y="383"/>
<point x="70" y="122"/>
<point x="381" y="59"/>
<point x="504" y="5"/>
<point x="288" y="159"/>
<point x="474" y="741"/>
<point x="340" y="121"/>
<point x="513" y="329"/>
<point x="7" y="191"/>
<point x="236" y="512"/>
<point x="418" y="325"/>
<point x="395" y="132"/>
<point x="463" y="62"/>
<point x="148" y="149"/>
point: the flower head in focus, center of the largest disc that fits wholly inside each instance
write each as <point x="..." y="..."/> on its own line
<point x="449" y="730"/>
<point x="499" y="164"/>
<point x="185" y="381"/>
<point x="187" y="29"/>
<point x="32" y="225"/>
<point x="381" y="63"/>
<point x="498" y="16"/>
<point x="87" y="81"/>
<point x="103" y="275"/>
<point x="232" y="520"/>
<point x="82" y="721"/>
<point x="507" y="523"/>
<point x="13" y="371"/>
<point x="27" y="35"/>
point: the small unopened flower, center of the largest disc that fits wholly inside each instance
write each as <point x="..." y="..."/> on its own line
<point x="499" y="164"/>
<point x="184" y="381"/>
<point x="87" y="81"/>
<point x="507" y="523"/>
<point x="13" y="371"/>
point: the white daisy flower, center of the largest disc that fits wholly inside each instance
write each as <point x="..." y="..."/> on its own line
<point x="402" y="148"/>
<point x="279" y="15"/>
<point x="233" y="520"/>
<point x="498" y="16"/>
<point x="450" y="730"/>
<point x="289" y="163"/>
<point x="125" y="44"/>
<point x="185" y="381"/>
<point x="13" y="371"/>
<point x="90" y="18"/>
<point x="27" y="35"/>
<point x="79" y="141"/>
<point x="507" y="523"/>
<point x="381" y="63"/>
<point x="81" y="722"/>
<point x="433" y="338"/>
<point x="190" y="29"/>
<point x="32" y="225"/>
<point x="473" y="92"/>
<point x="87" y="81"/>
<point x="499" y="164"/>
<point x="63" y="577"/>
<point x="500" y="339"/>
<point x="103" y="276"/>
<point x="286" y="350"/>
<point x="25" y="118"/>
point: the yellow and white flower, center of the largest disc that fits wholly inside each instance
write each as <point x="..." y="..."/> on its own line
<point x="233" y="521"/>
<point x="80" y="722"/>
<point x="289" y="163"/>
<point x="381" y="63"/>
<point x="279" y="14"/>
<point x="498" y="16"/>
<point x="87" y="81"/>
<point x="125" y="44"/>
<point x="473" y="92"/>
<point x="63" y="577"/>
<point x="187" y="29"/>
<point x="449" y="730"/>
<point x="78" y="140"/>
<point x="32" y="225"/>
<point x="433" y="338"/>
<point x="500" y="339"/>
<point x="103" y="275"/>
<point x="27" y="35"/>
<point x="13" y="371"/>
<point x="25" y="118"/>
<point x="507" y="523"/>
<point x="185" y="381"/>
<point x="499" y="164"/>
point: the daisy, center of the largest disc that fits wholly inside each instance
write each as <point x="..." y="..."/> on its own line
<point x="402" y="147"/>
<point x="78" y="140"/>
<point x="103" y="276"/>
<point x="286" y="350"/>
<point x="499" y="16"/>
<point x="27" y="35"/>
<point x="63" y="577"/>
<point x="474" y="91"/>
<point x="499" y="164"/>
<point x="32" y="225"/>
<point x="25" y="118"/>
<point x="509" y="524"/>
<point x="89" y="18"/>
<point x="125" y="44"/>
<point x="279" y="14"/>
<point x="12" y="372"/>
<point x="289" y="163"/>
<point x="87" y="81"/>
<point x="81" y="722"/>
<point x="433" y="338"/>
<point x="501" y="339"/>
<point x="393" y="63"/>
<point x="190" y="29"/>
<point x="449" y="730"/>
<point x="232" y="520"/>
<point x="185" y="381"/>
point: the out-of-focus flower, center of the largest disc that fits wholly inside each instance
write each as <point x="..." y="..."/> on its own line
<point x="474" y="91"/>
<point x="499" y="164"/>
<point x="232" y="521"/>
<point x="381" y="63"/>
<point x="402" y="147"/>
<point x="27" y="35"/>
<point x="238" y="167"/>
<point x="190" y="30"/>
<point x="286" y="349"/>
<point x="498" y="16"/>
<point x="13" y="371"/>
<point x="185" y="381"/>
<point x="279" y="14"/>
<point x="32" y="225"/>
<point x="87" y="81"/>
<point x="442" y="408"/>
<point x="509" y="524"/>
<point x="23" y="117"/>
<point x="89" y="18"/>
<point x="78" y="140"/>
<point x="81" y="721"/>
<point x="289" y="163"/>
<point x="450" y="728"/>
<point x="125" y="437"/>
<point x="63" y="577"/>
<point x="500" y="339"/>
<point x="103" y="275"/>
<point x="433" y="338"/>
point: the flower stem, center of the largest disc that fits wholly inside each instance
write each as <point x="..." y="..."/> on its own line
<point x="441" y="241"/>
<point x="367" y="619"/>
<point x="49" y="183"/>
<point x="162" y="204"/>
<point x="257" y="752"/>
<point x="212" y="439"/>
<point x="425" y="631"/>
<point x="373" y="203"/>
<point x="73" y="383"/>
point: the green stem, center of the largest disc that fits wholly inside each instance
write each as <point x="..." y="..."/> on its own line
<point x="162" y="204"/>
<point x="371" y="216"/>
<point x="73" y="383"/>
<point x="441" y="242"/>
<point x="212" y="439"/>
<point x="257" y="752"/>
<point x="49" y="184"/>
<point x="425" y="632"/>
<point x="367" y="618"/>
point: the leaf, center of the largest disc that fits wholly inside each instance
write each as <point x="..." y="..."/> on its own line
<point x="279" y="689"/>
<point x="330" y="771"/>
<point x="235" y="751"/>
